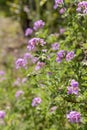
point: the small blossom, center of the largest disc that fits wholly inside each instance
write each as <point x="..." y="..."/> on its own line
<point x="74" y="117"/>
<point x="38" y="24"/>
<point x="61" y="54"/>
<point x="18" y="93"/>
<point x="36" y="101"/>
<point x="48" y="57"/>
<point x="42" y="42"/>
<point x="70" y="55"/>
<point x="57" y="3"/>
<point x="62" y="10"/>
<point x="2" y="114"/>
<point x="24" y="80"/>
<point x="30" y="47"/>
<point x="74" y="83"/>
<point x="39" y="65"/>
<point x="73" y="90"/>
<point x="28" y="31"/>
<point x="34" y="59"/>
<point x="2" y="73"/>
<point x="21" y="63"/>
<point x="82" y="7"/>
<point x="61" y="31"/>
<point x="27" y="56"/>
<point x="55" y="46"/>
<point x="34" y="42"/>
<point x="58" y="59"/>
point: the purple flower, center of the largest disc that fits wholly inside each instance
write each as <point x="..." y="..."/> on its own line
<point x="39" y="65"/>
<point x="2" y="73"/>
<point x="74" y="117"/>
<point x="72" y="90"/>
<point x="55" y="46"/>
<point x="21" y="63"/>
<point x="74" y="83"/>
<point x="30" y="47"/>
<point x="24" y="80"/>
<point x="28" y="31"/>
<point x="82" y="7"/>
<point x="32" y="43"/>
<point x="70" y="55"/>
<point x="35" y="41"/>
<point x="34" y="59"/>
<point x="61" y="30"/>
<point x="58" y="59"/>
<point x="2" y="114"/>
<point x="42" y="42"/>
<point x="36" y="101"/>
<point x="27" y="56"/>
<point x="62" y="10"/>
<point x="38" y="24"/>
<point x="57" y="3"/>
<point x="18" y="93"/>
<point x="61" y="54"/>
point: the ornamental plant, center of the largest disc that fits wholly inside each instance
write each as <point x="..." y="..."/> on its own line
<point x="52" y="94"/>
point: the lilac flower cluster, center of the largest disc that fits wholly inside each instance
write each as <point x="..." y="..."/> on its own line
<point x="23" y="62"/>
<point x="82" y="7"/>
<point x="38" y="24"/>
<point x="20" y="62"/>
<point x="27" y="56"/>
<point x="55" y="46"/>
<point x="73" y="88"/>
<point x="61" y="31"/>
<point x="18" y="93"/>
<point x="35" y="41"/>
<point x="28" y="31"/>
<point x="39" y="65"/>
<point x="74" y="117"/>
<point x="2" y="73"/>
<point x="34" y="59"/>
<point x="2" y="114"/>
<point x="62" y="10"/>
<point x="57" y="3"/>
<point x="36" y="101"/>
<point x="62" y="54"/>
<point x="70" y="55"/>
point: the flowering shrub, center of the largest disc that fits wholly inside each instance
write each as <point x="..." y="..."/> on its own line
<point x="52" y="94"/>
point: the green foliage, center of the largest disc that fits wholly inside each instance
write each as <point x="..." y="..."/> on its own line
<point x="50" y="82"/>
